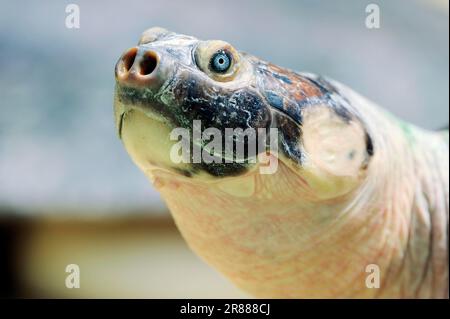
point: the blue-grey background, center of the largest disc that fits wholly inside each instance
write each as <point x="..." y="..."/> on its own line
<point x="58" y="147"/>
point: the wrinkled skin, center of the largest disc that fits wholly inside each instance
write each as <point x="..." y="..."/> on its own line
<point x="354" y="186"/>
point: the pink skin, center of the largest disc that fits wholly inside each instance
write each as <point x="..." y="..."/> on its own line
<point x="283" y="241"/>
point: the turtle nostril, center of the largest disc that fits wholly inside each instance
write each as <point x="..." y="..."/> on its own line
<point x="148" y="63"/>
<point x="129" y="58"/>
<point x="137" y="66"/>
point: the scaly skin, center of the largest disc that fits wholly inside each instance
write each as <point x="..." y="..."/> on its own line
<point x="282" y="241"/>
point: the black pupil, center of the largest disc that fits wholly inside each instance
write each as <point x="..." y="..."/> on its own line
<point x="220" y="62"/>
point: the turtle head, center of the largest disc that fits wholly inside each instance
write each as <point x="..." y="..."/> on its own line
<point x="204" y="111"/>
<point x="182" y="105"/>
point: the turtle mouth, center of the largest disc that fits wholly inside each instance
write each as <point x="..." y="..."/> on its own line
<point x="129" y="98"/>
<point x="127" y="110"/>
<point x="173" y="107"/>
<point x="148" y="140"/>
<point x="150" y="144"/>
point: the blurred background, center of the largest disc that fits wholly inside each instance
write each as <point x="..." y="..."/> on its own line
<point x="69" y="194"/>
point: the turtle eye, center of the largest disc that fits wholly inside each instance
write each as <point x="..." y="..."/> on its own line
<point x="220" y="62"/>
<point x="218" y="59"/>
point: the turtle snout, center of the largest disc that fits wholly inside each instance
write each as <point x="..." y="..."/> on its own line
<point x="139" y="66"/>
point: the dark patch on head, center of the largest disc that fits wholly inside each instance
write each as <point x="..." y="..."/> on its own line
<point x="332" y="97"/>
<point x="224" y="169"/>
<point x="216" y="106"/>
<point x="323" y="85"/>
<point x="219" y="108"/>
<point x="274" y="100"/>
<point x="284" y="106"/>
<point x="351" y="154"/>
<point x="369" y="150"/>
<point x="283" y="78"/>
<point x="290" y="137"/>
<point x="342" y="112"/>
<point x="300" y="92"/>
<point x="369" y="145"/>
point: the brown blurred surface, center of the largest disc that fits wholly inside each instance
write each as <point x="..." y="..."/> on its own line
<point x="118" y="258"/>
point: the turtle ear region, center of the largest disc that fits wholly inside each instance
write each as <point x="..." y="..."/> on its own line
<point x="153" y="34"/>
<point x="336" y="151"/>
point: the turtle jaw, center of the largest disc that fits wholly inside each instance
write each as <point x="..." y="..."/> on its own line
<point x="144" y="127"/>
<point x="125" y="100"/>
<point x="147" y="141"/>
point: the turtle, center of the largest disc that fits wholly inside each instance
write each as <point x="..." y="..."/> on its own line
<point x="343" y="200"/>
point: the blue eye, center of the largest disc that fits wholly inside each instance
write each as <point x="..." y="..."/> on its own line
<point x="220" y="62"/>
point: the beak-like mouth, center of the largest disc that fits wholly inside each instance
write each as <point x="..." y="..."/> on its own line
<point x="128" y="98"/>
<point x="122" y="111"/>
